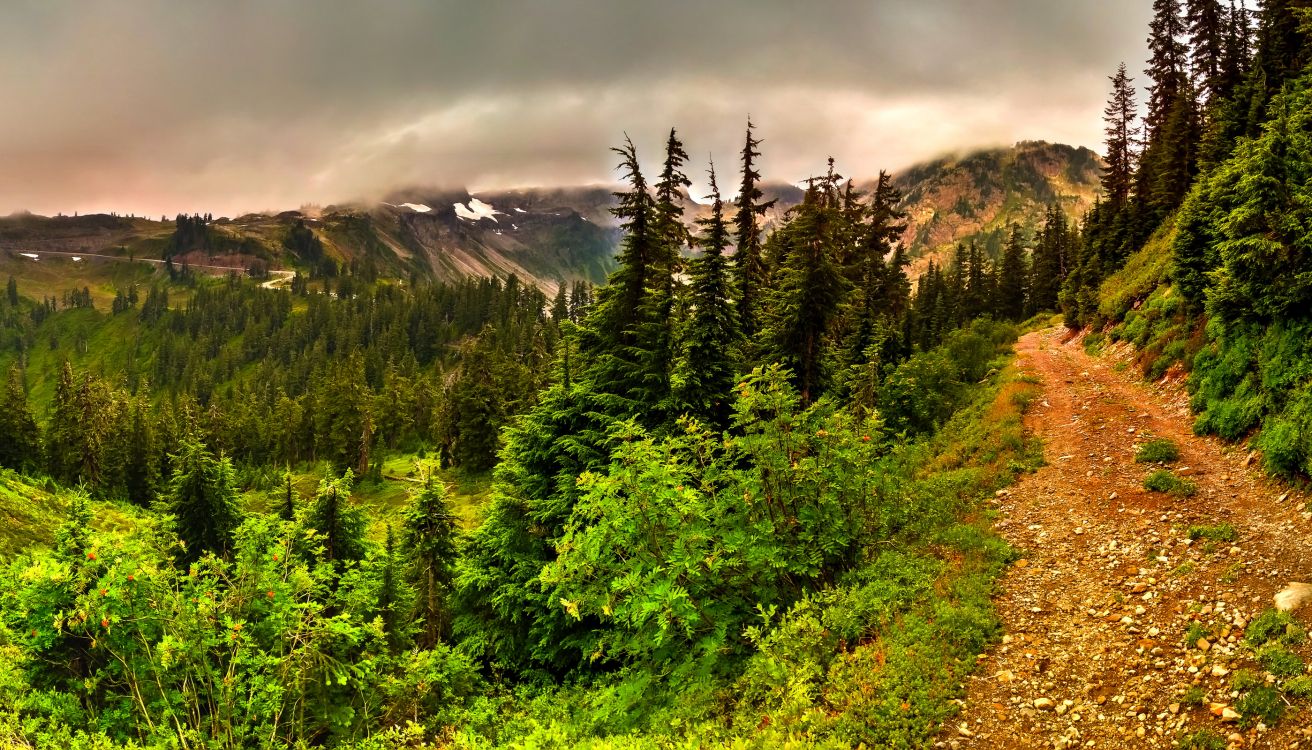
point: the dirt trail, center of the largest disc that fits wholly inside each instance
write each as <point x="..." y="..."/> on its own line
<point x="1095" y="616"/>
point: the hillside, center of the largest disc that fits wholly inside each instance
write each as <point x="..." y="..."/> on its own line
<point x="445" y="236"/>
<point x="563" y="234"/>
<point x="978" y="196"/>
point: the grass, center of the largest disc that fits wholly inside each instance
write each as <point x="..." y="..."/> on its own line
<point x="28" y="515"/>
<point x="32" y="510"/>
<point x="1243" y="680"/>
<point x="1261" y="704"/>
<point x="1273" y="626"/>
<point x="1164" y="481"/>
<point x="1203" y="739"/>
<point x="1221" y="532"/>
<point x="53" y="275"/>
<point x="1300" y="688"/>
<point x="1159" y="451"/>
<point x="387" y="500"/>
<point x="1142" y="273"/>
<point x="1280" y="661"/>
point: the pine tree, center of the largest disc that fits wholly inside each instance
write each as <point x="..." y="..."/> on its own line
<point x="389" y="596"/>
<point x="1049" y="262"/>
<point x="1167" y="65"/>
<point x="287" y="508"/>
<point x="340" y="525"/>
<point x="1122" y="133"/>
<point x="1012" y="278"/>
<point x="608" y="336"/>
<point x="881" y="296"/>
<point x="750" y="274"/>
<point x="1208" y="34"/>
<point x="429" y="534"/>
<point x="560" y="305"/>
<point x="656" y="344"/>
<point x="141" y="471"/>
<point x="70" y="439"/>
<point x="1169" y="159"/>
<point x="202" y="496"/>
<point x="20" y="438"/>
<point x="707" y="371"/>
<point x="1177" y="152"/>
<point x="1282" y="54"/>
<point x="810" y="288"/>
<point x="11" y="292"/>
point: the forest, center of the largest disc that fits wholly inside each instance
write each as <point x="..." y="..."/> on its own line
<point x="689" y="463"/>
<point x="734" y="497"/>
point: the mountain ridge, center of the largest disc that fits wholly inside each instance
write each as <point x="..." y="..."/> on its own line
<point x="557" y="235"/>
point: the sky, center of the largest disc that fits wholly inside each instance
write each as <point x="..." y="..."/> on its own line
<point x="148" y="107"/>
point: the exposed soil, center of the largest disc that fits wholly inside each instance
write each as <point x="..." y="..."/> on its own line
<point x="1095" y="615"/>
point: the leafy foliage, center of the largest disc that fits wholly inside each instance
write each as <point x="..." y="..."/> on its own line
<point x="1159" y="451"/>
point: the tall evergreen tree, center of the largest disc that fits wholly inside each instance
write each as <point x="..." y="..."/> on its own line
<point x="429" y="535"/>
<point x="1282" y="54"/>
<point x="340" y="525"/>
<point x="1167" y="64"/>
<point x="656" y="340"/>
<point x="1171" y="124"/>
<point x="1122" y="132"/>
<point x="287" y="508"/>
<point x="1012" y="279"/>
<point x="879" y="300"/>
<point x="750" y="273"/>
<point x="389" y="595"/>
<point x="809" y="288"/>
<point x="20" y="438"/>
<point x="141" y="470"/>
<point x="1048" y="264"/>
<point x="609" y="334"/>
<point x="707" y="365"/>
<point x="202" y="495"/>
<point x="1208" y="36"/>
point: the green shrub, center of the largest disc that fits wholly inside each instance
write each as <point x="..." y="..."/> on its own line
<point x="1273" y="626"/>
<point x="1300" y="688"/>
<point x="1280" y="662"/>
<point x="1193" y="697"/>
<point x="1261" y="704"/>
<point x="1203" y="739"/>
<point x="1221" y="532"/>
<point x="1244" y="680"/>
<point x="1164" y="481"/>
<point x="1159" y="451"/>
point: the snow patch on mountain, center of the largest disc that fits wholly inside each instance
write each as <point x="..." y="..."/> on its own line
<point x="417" y="207"/>
<point x="476" y="210"/>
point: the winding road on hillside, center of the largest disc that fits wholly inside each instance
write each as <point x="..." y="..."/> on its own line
<point x="279" y="277"/>
<point x="1095" y="614"/>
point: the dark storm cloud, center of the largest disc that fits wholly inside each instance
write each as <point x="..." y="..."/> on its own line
<point x="229" y="106"/>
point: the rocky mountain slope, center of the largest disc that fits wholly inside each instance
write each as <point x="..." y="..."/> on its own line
<point x="563" y="234"/>
<point x="979" y="196"/>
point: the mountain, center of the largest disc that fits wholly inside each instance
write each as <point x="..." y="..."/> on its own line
<point x="552" y="235"/>
<point x="978" y="196"/>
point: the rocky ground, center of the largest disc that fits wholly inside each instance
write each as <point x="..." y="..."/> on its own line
<point x="1097" y="613"/>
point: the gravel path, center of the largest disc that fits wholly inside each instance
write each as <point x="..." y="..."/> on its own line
<point x="1096" y="613"/>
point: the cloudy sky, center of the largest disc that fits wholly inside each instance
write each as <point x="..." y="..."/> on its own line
<point x="161" y="107"/>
